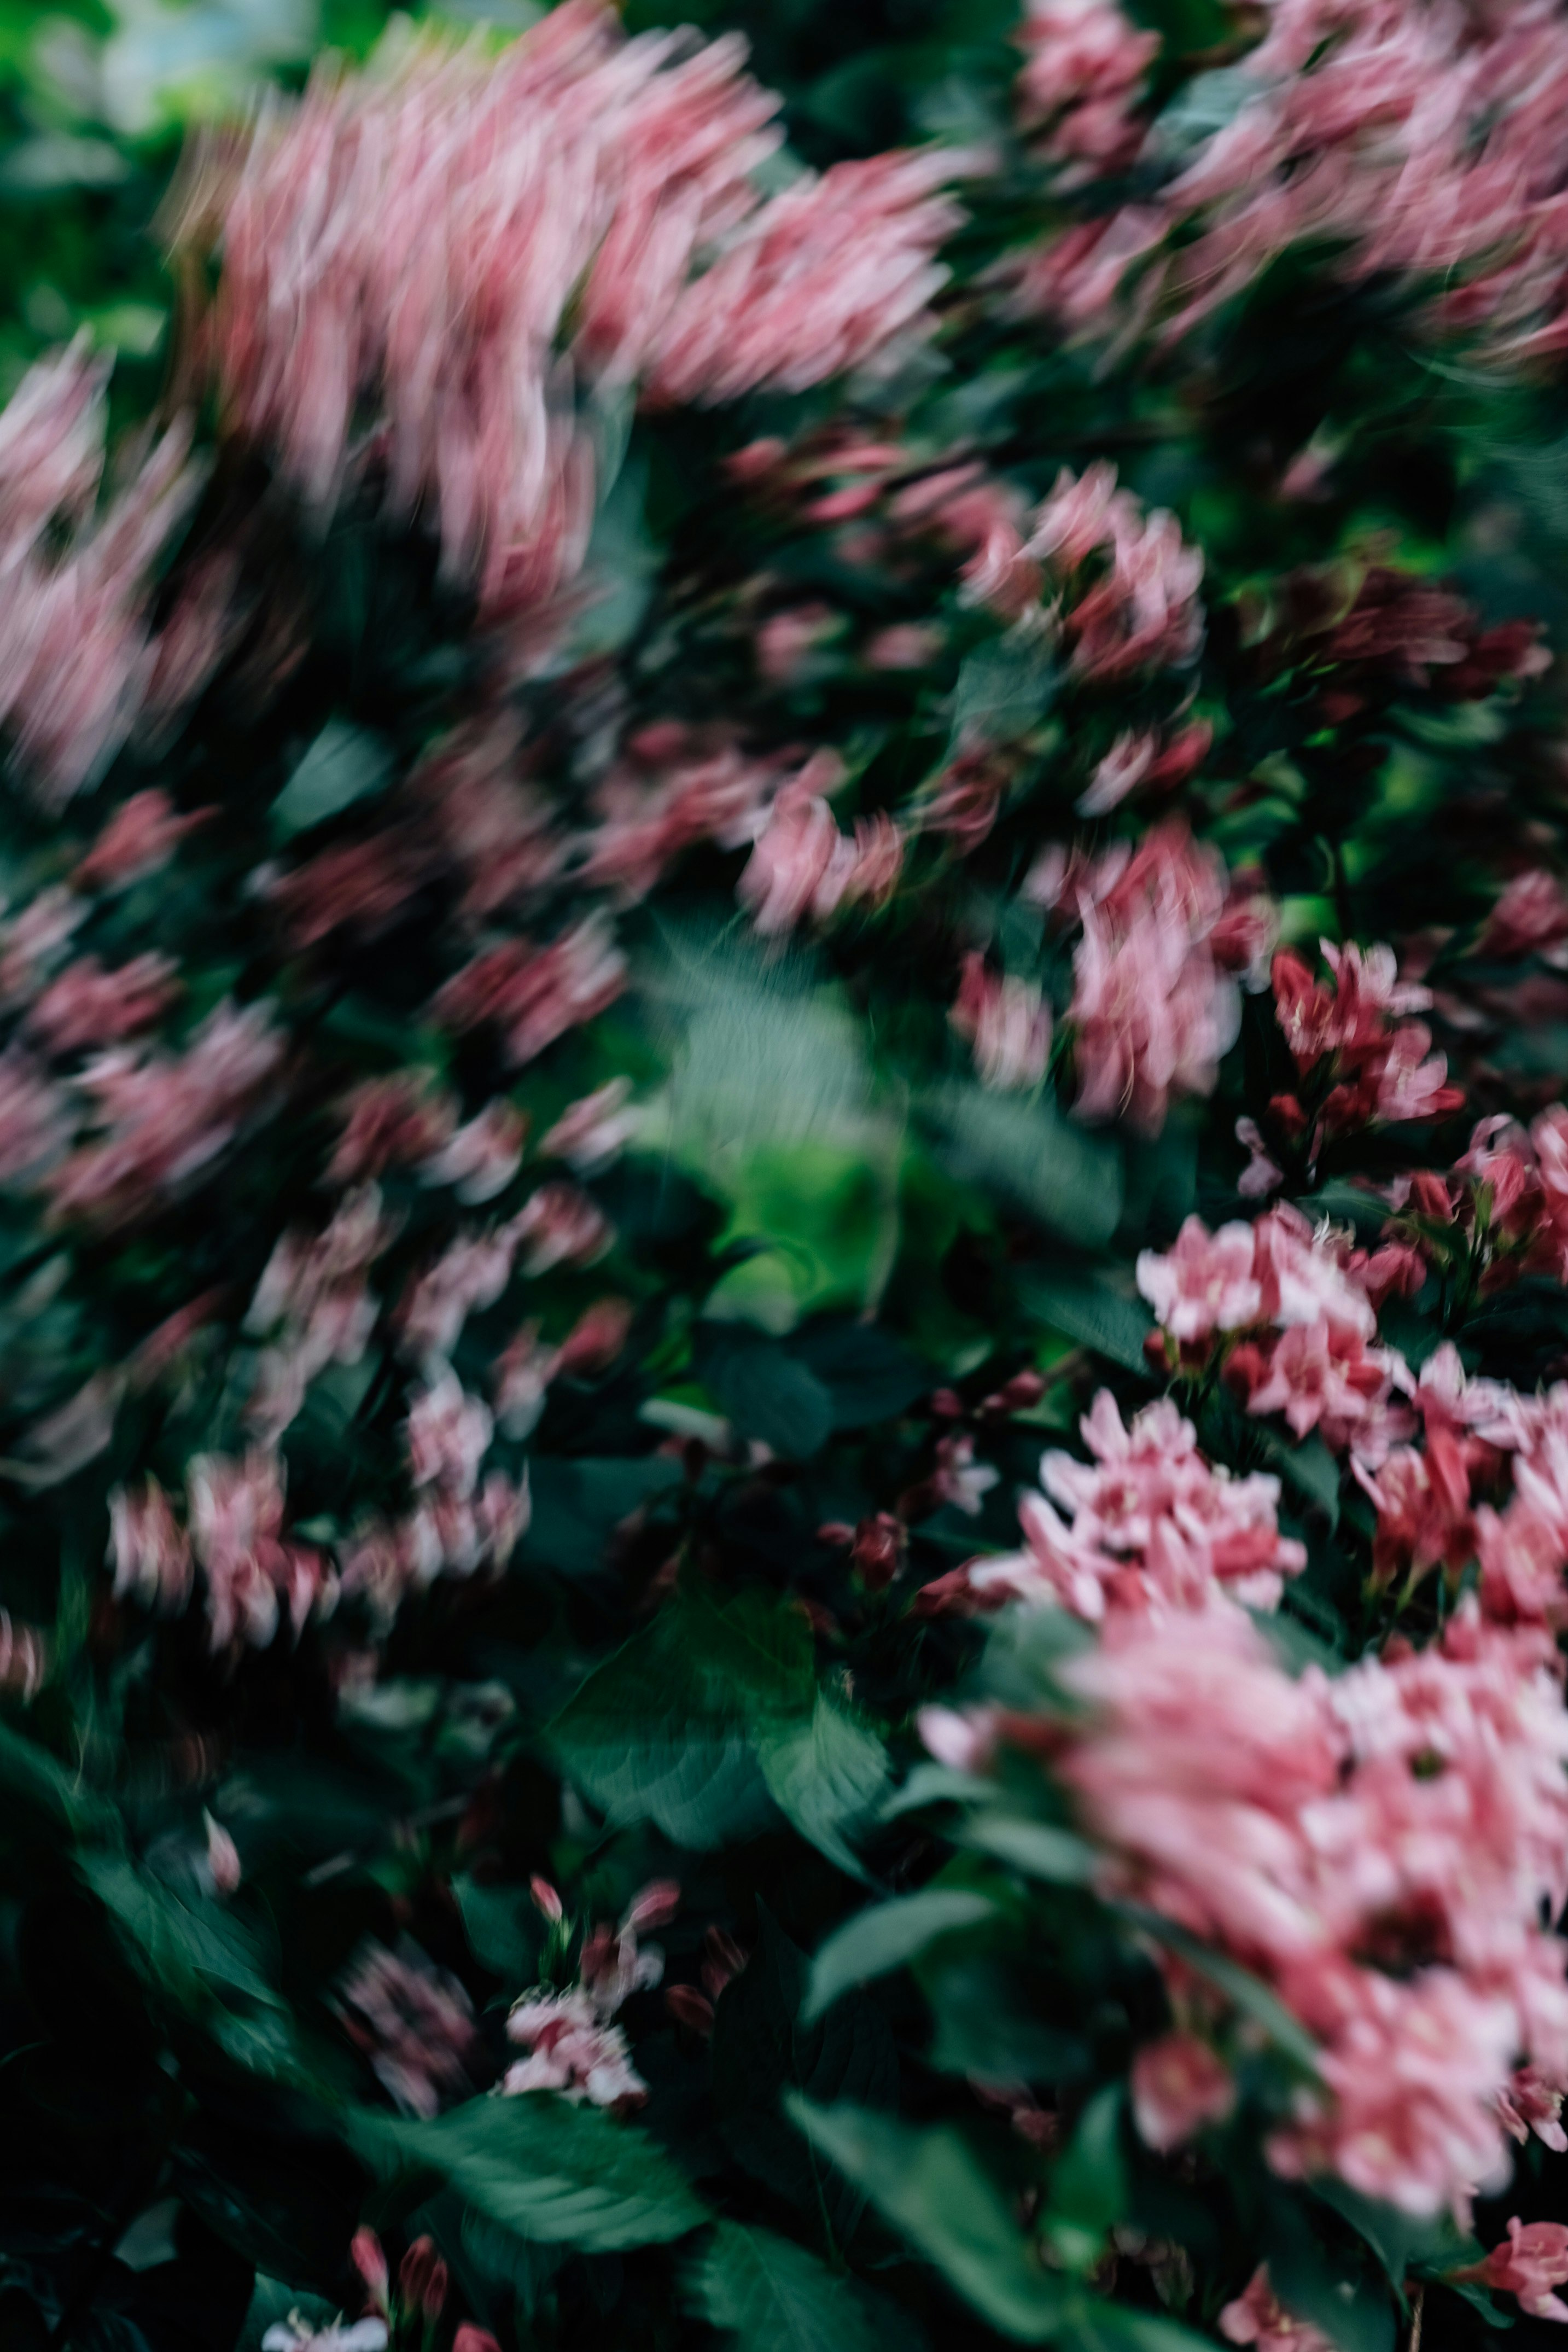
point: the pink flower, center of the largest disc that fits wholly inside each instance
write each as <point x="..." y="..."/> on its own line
<point x="824" y="278"/>
<point x="1205" y="1283"/>
<point x="1179" y="2084"/>
<point x="88" y="1006"/>
<point x="414" y="2024"/>
<point x="449" y="1435"/>
<point x="1006" y="1021"/>
<point x="1530" y="2104"/>
<point x="1151" y="1014"/>
<point x="150" y="1549"/>
<point x="163" y="1122"/>
<point x="561" y="1227"/>
<point x="1533" y="2261"/>
<point x="223" y="1858"/>
<point x="573" y="2051"/>
<point x="35" y="1120"/>
<point x="1083" y="76"/>
<point x="141" y="835"/>
<point x="1258" y="2316"/>
<point x="536" y="994"/>
<point x="1531" y="917"/>
<point x="592" y="1133"/>
<point x="1153" y="1526"/>
<point x="1142" y="612"/>
<point x="481" y="1158"/>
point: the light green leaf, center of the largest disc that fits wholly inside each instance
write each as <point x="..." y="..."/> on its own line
<point x="887" y="1937"/>
<point x="1025" y="1149"/>
<point x="567" y="2176"/>
<point x="344" y="765"/>
<point x="1036" y="1848"/>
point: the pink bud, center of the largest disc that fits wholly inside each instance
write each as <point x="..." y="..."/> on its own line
<point x="417" y="2270"/>
<point x="370" y="2262"/>
<point x="657" y="1905"/>
<point x="688" y="2007"/>
<point x="546" y="1899"/>
<point x="223" y="1857"/>
<point x="470" y="2338"/>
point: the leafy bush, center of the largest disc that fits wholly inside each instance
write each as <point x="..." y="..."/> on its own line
<point x="725" y="810"/>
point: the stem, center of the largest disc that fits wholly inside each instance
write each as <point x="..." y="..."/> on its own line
<point x="1417" y="2310"/>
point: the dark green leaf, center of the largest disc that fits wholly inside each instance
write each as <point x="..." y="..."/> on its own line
<point x="826" y="1773"/>
<point x="929" y="2186"/>
<point x="1087" y="1309"/>
<point x="887" y="1937"/>
<point x="577" y="1503"/>
<point x="869" y="1375"/>
<point x="569" y="2176"/>
<point x="773" y="2295"/>
<point x="767" y="1392"/>
<point x="1311" y="1468"/>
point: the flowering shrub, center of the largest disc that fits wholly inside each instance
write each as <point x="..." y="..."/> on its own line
<point x="784" y="1181"/>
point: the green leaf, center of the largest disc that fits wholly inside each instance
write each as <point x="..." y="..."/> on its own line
<point x="1402" y="2241"/>
<point x="271" y="2302"/>
<point x="1309" y="1468"/>
<point x="765" y="1391"/>
<point x="670" y="1729"/>
<point x="774" y="2295"/>
<point x="577" y="1503"/>
<point x="826" y="1774"/>
<point x="344" y="765"/>
<point x="40" y="1783"/>
<point x="931" y="2188"/>
<point x="1086" y="1308"/>
<point x="869" y="1375"/>
<point x="1334" y="2286"/>
<point x="1005" y="688"/>
<point x="502" y="1925"/>
<point x="935" y="1784"/>
<point x="1026" y="1151"/>
<point x="764" y="2047"/>
<point x="1238" y="1985"/>
<point x="1036" y="1848"/>
<point x="178" y="1945"/>
<point x="567" y="2176"/>
<point x="1088" y="2183"/>
<point x="887" y="1937"/>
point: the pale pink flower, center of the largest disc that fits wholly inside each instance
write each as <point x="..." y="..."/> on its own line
<point x="35" y="1120"/>
<point x="535" y="995"/>
<point x="448" y="1436"/>
<point x="1258" y="2316"/>
<point x="414" y="2024"/>
<point x="86" y="1006"/>
<point x="1179" y="2083"/>
<point x="161" y="1122"/>
<point x="522" y="1378"/>
<point x="1153" y="1525"/>
<point x="1142" y="611"/>
<point x="150" y="1549"/>
<point x="593" y="1131"/>
<point x="1151" y="1013"/>
<point x="481" y="1158"/>
<point x="1006" y="1021"/>
<point x="573" y="2051"/>
<point x="222" y="1862"/>
<point x="965" y="1743"/>
<point x="825" y="276"/>
<point x="561" y="1226"/>
<point x="472" y="1272"/>
<point x="802" y="865"/>
<point x="1262" y="1175"/>
<point x="1204" y="1282"/>
<point x="1531" y="917"/>
<point x="1083" y="75"/>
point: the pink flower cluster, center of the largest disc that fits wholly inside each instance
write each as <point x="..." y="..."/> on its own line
<point x="1379" y="1848"/>
<point x="414" y="2024"/>
<point x="803" y="865"/>
<point x="1007" y="1022"/>
<point x="1082" y="82"/>
<point x="1397" y="137"/>
<point x="574" y="2047"/>
<point x="1154" y="1007"/>
<point x="76" y="661"/>
<point x="1154" y="1526"/>
<point x="1303" y="1300"/>
<point x="427" y="239"/>
<point x="1367" y="1065"/>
